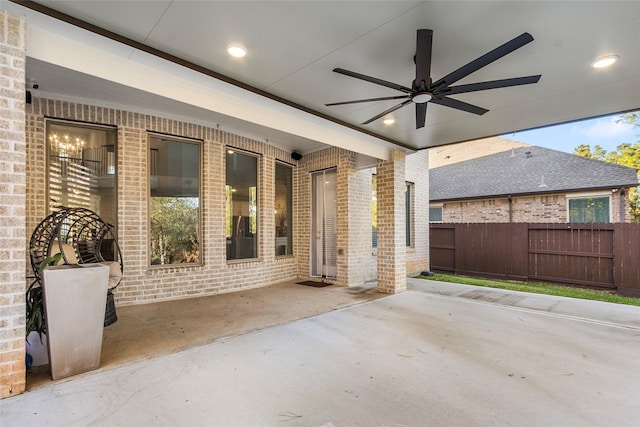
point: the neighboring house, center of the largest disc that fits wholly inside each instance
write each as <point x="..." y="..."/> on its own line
<point x="498" y="180"/>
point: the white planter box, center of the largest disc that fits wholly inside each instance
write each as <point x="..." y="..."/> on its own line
<point x="75" y="299"/>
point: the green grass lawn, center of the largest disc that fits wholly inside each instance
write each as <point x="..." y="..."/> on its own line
<point x="538" y="288"/>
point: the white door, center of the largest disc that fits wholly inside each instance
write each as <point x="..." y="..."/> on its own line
<point x="323" y="224"/>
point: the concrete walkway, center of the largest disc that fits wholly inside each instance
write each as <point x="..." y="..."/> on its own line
<point x="591" y="311"/>
<point x="438" y="354"/>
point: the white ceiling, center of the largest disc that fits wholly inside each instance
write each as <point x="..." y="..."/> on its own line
<point x="293" y="47"/>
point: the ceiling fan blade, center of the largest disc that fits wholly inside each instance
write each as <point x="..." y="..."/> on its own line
<point x="421" y="114"/>
<point x="493" y="84"/>
<point x="372" y="80"/>
<point x="390" y="110"/>
<point x="484" y="60"/>
<point x="384" y="98"/>
<point x="459" y="105"/>
<point x="423" y="59"/>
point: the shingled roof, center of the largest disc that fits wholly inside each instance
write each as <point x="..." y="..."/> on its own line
<point x="526" y="170"/>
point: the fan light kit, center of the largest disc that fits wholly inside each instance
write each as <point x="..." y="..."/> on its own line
<point x="423" y="90"/>
<point x="236" y="50"/>
<point x="605" y="61"/>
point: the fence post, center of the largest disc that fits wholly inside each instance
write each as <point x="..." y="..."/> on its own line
<point x="626" y="249"/>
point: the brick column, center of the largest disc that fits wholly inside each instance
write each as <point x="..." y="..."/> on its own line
<point x="390" y="181"/>
<point x="13" y="41"/>
<point x="354" y="220"/>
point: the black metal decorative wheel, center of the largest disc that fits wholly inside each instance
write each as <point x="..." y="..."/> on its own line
<point x="82" y="237"/>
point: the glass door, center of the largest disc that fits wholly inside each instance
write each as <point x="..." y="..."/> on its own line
<point x="323" y="224"/>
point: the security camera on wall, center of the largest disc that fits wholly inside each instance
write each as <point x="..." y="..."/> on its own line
<point x="296" y="156"/>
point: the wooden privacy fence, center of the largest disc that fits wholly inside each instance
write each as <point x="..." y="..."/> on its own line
<point x="599" y="255"/>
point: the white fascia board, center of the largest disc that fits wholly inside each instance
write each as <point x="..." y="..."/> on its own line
<point x="71" y="47"/>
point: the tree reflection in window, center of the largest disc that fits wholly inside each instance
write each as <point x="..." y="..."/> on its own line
<point x="174" y="206"/>
<point x="589" y="209"/>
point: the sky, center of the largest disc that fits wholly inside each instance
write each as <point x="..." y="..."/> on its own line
<point x="602" y="131"/>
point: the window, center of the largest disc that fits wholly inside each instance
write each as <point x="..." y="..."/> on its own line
<point x="435" y="213"/>
<point x="174" y="203"/>
<point x="408" y="194"/>
<point x="589" y="209"/>
<point x="82" y="168"/>
<point x="242" y="205"/>
<point x="283" y="209"/>
<point x="374" y="213"/>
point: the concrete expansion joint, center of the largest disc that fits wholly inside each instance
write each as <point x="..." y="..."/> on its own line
<point x="542" y="311"/>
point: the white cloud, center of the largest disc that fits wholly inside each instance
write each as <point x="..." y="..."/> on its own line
<point x="606" y="128"/>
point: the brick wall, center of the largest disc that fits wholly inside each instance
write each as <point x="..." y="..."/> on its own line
<point x="141" y="283"/>
<point x="317" y="161"/>
<point x="13" y="40"/>
<point x="356" y="241"/>
<point x="550" y="208"/>
<point x="353" y="214"/>
<point x="620" y="207"/>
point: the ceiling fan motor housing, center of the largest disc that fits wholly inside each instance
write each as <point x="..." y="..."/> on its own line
<point x="421" y="97"/>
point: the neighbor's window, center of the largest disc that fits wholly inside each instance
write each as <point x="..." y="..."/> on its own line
<point x="82" y="168"/>
<point x="283" y="209"/>
<point x="242" y="205"/>
<point x="174" y="205"/>
<point x="589" y="209"/>
<point x="435" y="214"/>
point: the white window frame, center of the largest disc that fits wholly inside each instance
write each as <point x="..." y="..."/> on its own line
<point x="438" y="205"/>
<point x="589" y="195"/>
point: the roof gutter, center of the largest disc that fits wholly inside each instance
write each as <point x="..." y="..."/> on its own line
<point x="536" y="193"/>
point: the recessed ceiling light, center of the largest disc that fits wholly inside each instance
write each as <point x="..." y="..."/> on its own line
<point x="604" y="61"/>
<point x="236" y="50"/>
<point x="389" y="121"/>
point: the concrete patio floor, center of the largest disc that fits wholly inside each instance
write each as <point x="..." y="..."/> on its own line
<point x="438" y="354"/>
<point x="151" y="330"/>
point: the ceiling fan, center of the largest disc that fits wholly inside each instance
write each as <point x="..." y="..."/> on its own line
<point x="424" y="90"/>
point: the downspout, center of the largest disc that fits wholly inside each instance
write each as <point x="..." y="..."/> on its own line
<point x="510" y="209"/>
<point x="622" y="205"/>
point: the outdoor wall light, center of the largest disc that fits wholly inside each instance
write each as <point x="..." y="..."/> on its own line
<point x="236" y="50"/>
<point x="605" y="61"/>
